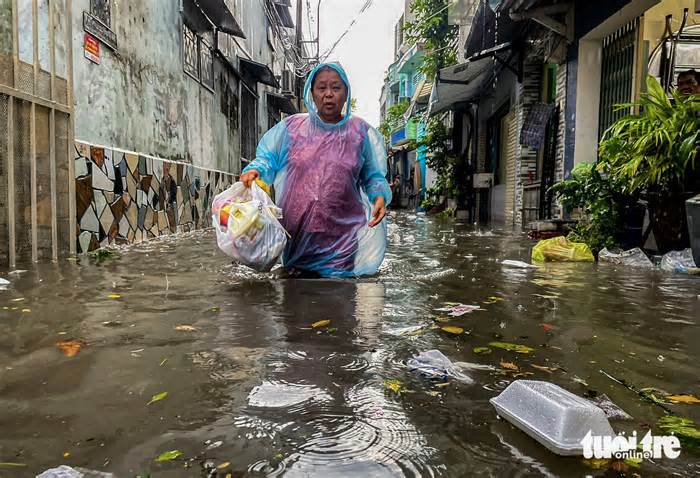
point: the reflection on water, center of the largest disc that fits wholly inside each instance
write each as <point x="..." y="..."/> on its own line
<point x="252" y="382"/>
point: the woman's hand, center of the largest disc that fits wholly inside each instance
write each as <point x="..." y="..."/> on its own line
<point x="248" y="178"/>
<point x="378" y="212"/>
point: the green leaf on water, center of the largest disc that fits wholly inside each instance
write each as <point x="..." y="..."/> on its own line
<point x="683" y="428"/>
<point x="655" y="395"/>
<point x="521" y="349"/>
<point x="158" y="397"/>
<point x="169" y="455"/>
<point x="8" y="464"/>
<point x="482" y="350"/>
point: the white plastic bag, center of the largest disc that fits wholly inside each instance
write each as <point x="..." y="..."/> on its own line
<point x="679" y="261"/>
<point x="247" y="226"/>
<point x="632" y="258"/>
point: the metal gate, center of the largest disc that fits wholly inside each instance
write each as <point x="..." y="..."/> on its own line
<point x="37" y="187"/>
<point x="617" y="75"/>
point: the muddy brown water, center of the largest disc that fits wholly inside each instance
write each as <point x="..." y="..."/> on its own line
<point x="255" y="386"/>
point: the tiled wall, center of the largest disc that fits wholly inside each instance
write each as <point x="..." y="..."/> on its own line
<point x="125" y="197"/>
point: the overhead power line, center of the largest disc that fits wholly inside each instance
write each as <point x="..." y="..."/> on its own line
<point x="329" y="52"/>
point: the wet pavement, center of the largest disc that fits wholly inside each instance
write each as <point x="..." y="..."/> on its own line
<point x="253" y="387"/>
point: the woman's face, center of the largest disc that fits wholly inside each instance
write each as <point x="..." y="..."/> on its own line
<point x="330" y="95"/>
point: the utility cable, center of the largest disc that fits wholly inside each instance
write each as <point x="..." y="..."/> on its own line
<point x="327" y="53"/>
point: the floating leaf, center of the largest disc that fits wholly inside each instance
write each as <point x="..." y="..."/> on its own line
<point x="393" y="385"/>
<point x="452" y="329"/>
<point x="493" y="300"/>
<point x="521" y="349"/>
<point x="543" y="368"/>
<point x="114" y="296"/>
<point x="70" y="348"/>
<point x="163" y="362"/>
<point x="482" y="350"/>
<point x="655" y="395"/>
<point x="683" y="398"/>
<point x="320" y="323"/>
<point x="8" y="464"/>
<point x="509" y="366"/>
<point x="185" y="328"/>
<point x="169" y="455"/>
<point x="683" y="428"/>
<point x="225" y="464"/>
<point x="66" y="454"/>
<point x="442" y="320"/>
<point x="596" y="463"/>
<point x="158" y="397"/>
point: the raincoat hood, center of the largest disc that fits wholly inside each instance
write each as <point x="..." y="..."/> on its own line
<point x="309" y="98"/>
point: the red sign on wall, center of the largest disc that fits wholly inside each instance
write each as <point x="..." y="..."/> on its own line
<point x="92" y="48"/>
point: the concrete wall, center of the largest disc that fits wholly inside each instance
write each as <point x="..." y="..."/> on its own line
<point x="588" y="101"/>
<point x="592" y="25"/>
<point x="140" y="99"/>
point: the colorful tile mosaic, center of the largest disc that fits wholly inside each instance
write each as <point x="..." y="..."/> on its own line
<point x="123" y="197"/>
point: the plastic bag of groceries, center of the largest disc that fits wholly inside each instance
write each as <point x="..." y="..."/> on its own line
<point x="559" y="249"/>
<point x="248" y="227"/>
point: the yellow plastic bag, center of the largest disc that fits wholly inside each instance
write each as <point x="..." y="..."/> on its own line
<point x="559" y="249"/>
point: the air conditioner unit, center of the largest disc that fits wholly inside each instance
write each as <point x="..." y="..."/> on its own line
<point x="483" y="180"/>
<point x="287" y="81"/>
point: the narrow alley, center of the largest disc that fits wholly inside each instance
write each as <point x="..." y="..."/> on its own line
<point x="258" y="383"/>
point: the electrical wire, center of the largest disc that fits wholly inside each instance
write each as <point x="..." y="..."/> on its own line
<point x="300" y="66"/>
<point x="329" y="52"/>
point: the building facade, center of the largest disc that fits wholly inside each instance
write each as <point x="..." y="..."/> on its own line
<point x="539" y="81"/>
<point x="143" y="110"/>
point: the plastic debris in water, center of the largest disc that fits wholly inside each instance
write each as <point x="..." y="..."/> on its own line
<point x="555" y="417"/>
<point x="65" y="471"/>
<point x="458" y="310"/>
<point x="433" y="364"/>
<point x="517" y="264"/>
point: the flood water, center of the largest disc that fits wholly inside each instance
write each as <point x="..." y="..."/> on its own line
<point x="251" y="383"/>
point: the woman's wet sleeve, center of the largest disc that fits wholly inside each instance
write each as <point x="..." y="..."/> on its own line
<point x="373" y="172"/>
<point x="268" y="156"/>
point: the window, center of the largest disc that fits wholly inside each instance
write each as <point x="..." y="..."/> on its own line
<point x="190" y="53"/>
<point x="249" y="121"/>
<point x="206" y="60"/>
<point x="197" y="56"/>
<point x="102" y="10"/>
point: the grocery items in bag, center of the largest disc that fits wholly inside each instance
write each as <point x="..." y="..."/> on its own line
<point x="247" y="226"/>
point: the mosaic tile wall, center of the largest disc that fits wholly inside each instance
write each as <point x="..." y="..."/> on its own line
<point x="123" y="198"/>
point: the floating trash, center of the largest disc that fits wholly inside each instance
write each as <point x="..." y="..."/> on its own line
<point x="433" y="364"/>
<point x="65" y="471"/>
<point x="632" y="258"/>
<point x="554" y="417"/>
<point x="517" y="264"/>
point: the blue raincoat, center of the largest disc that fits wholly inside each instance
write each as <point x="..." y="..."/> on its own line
<point x="326" y="178"/>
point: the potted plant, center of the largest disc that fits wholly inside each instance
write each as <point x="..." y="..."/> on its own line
<point x="608" y="211"/>
<point x="654" y="152"/>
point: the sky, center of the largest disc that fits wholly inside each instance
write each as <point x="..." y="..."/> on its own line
<point x="366" y="51"/>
